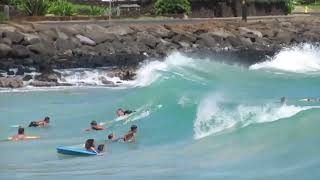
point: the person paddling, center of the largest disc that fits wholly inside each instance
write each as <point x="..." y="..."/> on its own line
<point x="41" y="123"/>
<point x="22" y="136"/>
<point x="130" y="135"/>
<point x="120" y="112"/>
<point x="112" y="138"/>
<point x="90" y="146"/>
<point x="94" y="126"/>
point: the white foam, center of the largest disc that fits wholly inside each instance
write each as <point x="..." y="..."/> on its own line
<point x="298" y="59"/>
<point x="152" y="71"/>
<point x="212" y="117"/>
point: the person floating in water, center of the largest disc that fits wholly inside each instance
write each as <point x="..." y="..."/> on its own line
<point x="120" y="112"/>
<point x="41" y="123"/>
<point x="130" y="135"/>
<point x="112" y="138"/>
<point x="94" y="126"/>
<point x="283" y="100"/>
<point x="90" y="146"/>
<point x="22" y="136"/>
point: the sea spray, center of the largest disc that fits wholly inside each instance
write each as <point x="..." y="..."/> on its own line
<point x="213" y="116"/>
<point x="298" y="59"/>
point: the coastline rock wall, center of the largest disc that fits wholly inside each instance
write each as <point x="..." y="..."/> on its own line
<point x="91" y="46"/>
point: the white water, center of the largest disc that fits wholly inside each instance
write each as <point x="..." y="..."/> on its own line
<point x="213" y="118"/>
<point x="298" y="59"/>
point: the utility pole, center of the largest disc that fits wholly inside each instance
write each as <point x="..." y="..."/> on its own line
<point x="244" y="10"/>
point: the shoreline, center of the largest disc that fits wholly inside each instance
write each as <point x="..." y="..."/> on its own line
<point x="34" y="48"/>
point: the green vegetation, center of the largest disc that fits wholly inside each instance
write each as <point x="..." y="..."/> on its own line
<point x="35" y="7"/>
<point x="315" y="6"/>
<point x="61" y="8"/>
<point x="55" y="7"/>
<point x="290" y="6"/>
<point x="172" y="7"/>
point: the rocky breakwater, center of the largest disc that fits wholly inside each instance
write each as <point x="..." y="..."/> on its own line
<point x="26" y="47"/>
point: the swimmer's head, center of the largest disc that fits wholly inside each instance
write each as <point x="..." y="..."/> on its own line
<point x="89" y="143"/>
<point x="110" y="136"/>
<point x="21" y="130"/>
<point x="93" y="123"/>
<point x="134" y="128"/>
<point x="120" y="112"/>
<point x="47" y="119"/>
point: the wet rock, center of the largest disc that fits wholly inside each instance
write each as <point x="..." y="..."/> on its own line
<point x="4" y="50"/>
<point x="86" y="41"/>
<point x="15" y="37"/>
<point x="27" y="78"/>
<point x="11" y="82"/>
<point x="105" y="81"/>
<point x="206" y="40"/>
<point x="43" y="84"/>
<point x="47" y="77"/>
<point x="42" y="48"/>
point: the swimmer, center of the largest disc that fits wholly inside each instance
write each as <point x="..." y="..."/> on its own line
<point x="90" y="146"/>
<point x="120" y="112"/>
<point x="112" y="138"/>
<point x="41" y="123"/>
<point x="283" y="100"/>
<point x="22" y="136"/>
<point x="94" y="126"/>
<point x="130" y="136"/>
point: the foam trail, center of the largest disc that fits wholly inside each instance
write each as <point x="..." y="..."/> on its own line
<point x="212" y="117"/>
<point x="298" y="59"/>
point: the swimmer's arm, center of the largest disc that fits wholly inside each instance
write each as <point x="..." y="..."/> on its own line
<point x="87" y="129"/>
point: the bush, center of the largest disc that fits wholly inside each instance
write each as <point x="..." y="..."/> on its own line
<point x="89" y="10"/>
<point x="35" y="7"/>
<point x="61" y="8"/>
<point x="172" y="6"/>
<point x="290" y="5"/>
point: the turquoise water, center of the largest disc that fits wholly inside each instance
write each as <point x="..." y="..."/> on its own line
<point x="197" y="119"/>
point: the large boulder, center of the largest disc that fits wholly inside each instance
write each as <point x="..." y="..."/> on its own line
<point x="4" y="50"/>
<point x="206" y="40"/>
<point x="147" y="39"/>
<point x="20" y="51"/>
<point x="31" y="39"/>
<point x="42" y="48"/>
<point x="6" y="41"/>
<point x="85" y="40"/>
<point x="98" y="34"/>
<point x="10" y="82"/>
<point x="120" y="30"/>
<point x="249" y="33"/>
<point x="47" y="77"/>
<point x="62" y="44"/>
<point x="15" y="37"/>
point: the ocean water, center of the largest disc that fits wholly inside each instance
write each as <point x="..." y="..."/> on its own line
<point x="197" y="119"/>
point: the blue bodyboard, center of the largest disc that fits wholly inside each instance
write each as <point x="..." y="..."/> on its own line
<point x="75" y="151"/>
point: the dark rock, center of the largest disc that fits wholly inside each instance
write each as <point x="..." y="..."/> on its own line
<point x="188" y="38"/>
<point x="15" y="37"/>
<point x="206" y="40"/>
<point x="6" y="41"/>
<point x="47" y="77"/>
<point x="147" y="39"/>
<point x="246" y="32"/>
<point x="99" y="34"/>
<point x="20" y="51"/>
<point x="62" y="44"/>
<point x="42" y="48"/>
<point x="5" y="50"/>
<point x="11" y="82"/>
<point x="105" y="81"/>
<point x="31" y="39"/>
<point x="120" y="30"/>
<point x="105" y="49"/>
<point x="51" y="34"/>
<point x="20" y="71"/>
<point x="27" y="78"/>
